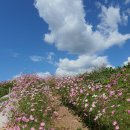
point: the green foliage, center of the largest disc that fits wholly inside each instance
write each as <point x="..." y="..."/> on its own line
<point x="4" y="88"/>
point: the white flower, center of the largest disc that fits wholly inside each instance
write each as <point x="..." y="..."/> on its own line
<point x="100" y="114"/>
<point x="94" y="95"/>
<point x="89" y="86"/>
<point x="86" y="105"/>
<point x="96" y="118"/>
<point x="86" y="100"/>
<point x="93" y="104"/>
<point x="90" y="109"/>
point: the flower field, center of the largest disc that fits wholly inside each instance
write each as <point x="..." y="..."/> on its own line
<point x="104" y="103"/>
<point x="101" y="99"/>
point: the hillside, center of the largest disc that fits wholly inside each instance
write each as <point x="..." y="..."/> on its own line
<point x="96" y="101"/>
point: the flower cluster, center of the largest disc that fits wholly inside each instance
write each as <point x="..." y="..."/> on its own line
<point x="106" y="102"/>
<point x="102" y="99"/>
<point x="28" y="104"/>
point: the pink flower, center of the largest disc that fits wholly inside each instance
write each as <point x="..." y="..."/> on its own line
<point x="81" y="90"/>
<point x="120" y="94"/>
<point x="18" y="119"/>
<point x="128" y="100"/>
<point x="117" y="127"/>
<point x="10" y="129"/>
<point x="41" y="128"/>
<point x="111" y="93"/>
<point x="32" y="128"/>
<point x="128" y="111"/>
<point x="108" y="86"/>
<point x="16" y="128"/>
<point x="56" y="114"/>
<point x="42" y="124"/>
<point x="31" y="118"/>
<point x="24" y="119"/>
<point x="114" y="123"/>
<point x="113" y="112"/>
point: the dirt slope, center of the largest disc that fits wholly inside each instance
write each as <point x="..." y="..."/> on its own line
<point x="65" y="119"/>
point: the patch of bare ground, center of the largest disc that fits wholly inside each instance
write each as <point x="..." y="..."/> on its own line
<point x="64" y="119"/>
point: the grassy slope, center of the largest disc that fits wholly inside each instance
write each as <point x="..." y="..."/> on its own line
<point x="100" y="98"/>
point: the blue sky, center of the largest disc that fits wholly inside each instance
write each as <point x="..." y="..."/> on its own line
<point x="63" y="39"/>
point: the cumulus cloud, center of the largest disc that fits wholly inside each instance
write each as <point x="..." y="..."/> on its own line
<point x="43" y="75"/>
<point x="126" y="62"/>
<point x="69" y="31"/>
<point x="82" y="64"/>
<point x="36" y="58"/>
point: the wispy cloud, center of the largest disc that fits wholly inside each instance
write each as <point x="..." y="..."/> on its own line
<point x="127" y="1"/>
<point x="37" y="58"/>
<point x="43" y="74"/>
<point x="128" y="11"/>
<point x="15" y="54"/>
<point x="50" y="57"/>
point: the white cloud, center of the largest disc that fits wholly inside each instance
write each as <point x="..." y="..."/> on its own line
<point x="43" y="75"/>
<point x="127" y="1"/>
<point x="17" y="76"/>
<point x="98" y="4"/>
<point x="106" y="1"/>
<point x="39" y="74"/>
<point x="50" y="57"/>
<point x="36" y="58"/>
<point x="82" y="64"/>
<point x="70" y="32"/>
<point x="110" y="18"/>
<point x="126" y="62"/>
<point x="125" y="18"/>
<point x="128" y="11"/>
<point x="15" y="54"/>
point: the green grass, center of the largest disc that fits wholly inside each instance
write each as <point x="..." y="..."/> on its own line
<point x="4" y="99"/>
<point x="4" y="88"/>
<point x="39" y="107"/>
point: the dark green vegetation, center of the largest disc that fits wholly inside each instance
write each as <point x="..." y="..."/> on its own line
<point x="4" y="88"/>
